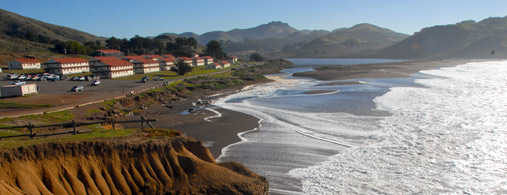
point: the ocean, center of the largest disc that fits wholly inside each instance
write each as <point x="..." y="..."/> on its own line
<point x="440" y="131"/>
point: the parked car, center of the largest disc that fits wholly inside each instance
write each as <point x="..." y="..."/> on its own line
<point x="82" y="78"/>
<point x="12" y="76"/>
<point x="22" y="77"/>
<point x="77" y="88"/>
<point x="145" y="79"/>
<point x="88" y="78"/>
<point x="74" y="78"/>
<point x="96" y="83"/>
<point x="54" y="78"/>
<point x="158" y="79"/>
<point x="17" y="83"/>
<point x="35" y="78"/>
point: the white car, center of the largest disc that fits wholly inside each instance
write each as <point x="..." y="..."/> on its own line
<point x="17" y="83"/>
<point x="95" y="83"/>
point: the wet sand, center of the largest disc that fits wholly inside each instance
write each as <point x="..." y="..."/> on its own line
<point x="217" y="134"/>
<point x="385" y="70"/>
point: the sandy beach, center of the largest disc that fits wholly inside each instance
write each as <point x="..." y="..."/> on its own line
<point x="384" y="70"/>
<point x="217" y="132"/>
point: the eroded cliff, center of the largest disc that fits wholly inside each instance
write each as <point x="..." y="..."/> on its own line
<point x="177" y="165"/>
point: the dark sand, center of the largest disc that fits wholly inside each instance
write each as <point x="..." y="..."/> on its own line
<point x="319" y="91"/>
<point x="217" y="134"/>
<point x="386" y="70"/>
<point x="341" y="83"/>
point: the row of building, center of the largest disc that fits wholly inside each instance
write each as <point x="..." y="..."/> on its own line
<point x="112" y="64"/>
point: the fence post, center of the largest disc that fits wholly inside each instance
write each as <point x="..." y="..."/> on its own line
<point x="112" y="123"/>
<point x="30" y="129"/>
<point x="142" y="122"/>
<point x="73" y="127"/>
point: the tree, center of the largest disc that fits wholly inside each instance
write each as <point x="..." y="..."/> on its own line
<point x="256" y="57"/>
<point x="214" y="49"/>
<point x="182" y="67"/>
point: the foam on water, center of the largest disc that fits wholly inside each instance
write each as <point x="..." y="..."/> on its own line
<point x="449" y="137"/>
<point x="287" y="136"/>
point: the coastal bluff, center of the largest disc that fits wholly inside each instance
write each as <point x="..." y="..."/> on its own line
<point x="161" y="165"/>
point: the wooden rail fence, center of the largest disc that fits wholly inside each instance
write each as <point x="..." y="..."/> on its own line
<point x="73" y="124"/>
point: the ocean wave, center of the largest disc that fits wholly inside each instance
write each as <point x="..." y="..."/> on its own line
<point x="445" y="138"/>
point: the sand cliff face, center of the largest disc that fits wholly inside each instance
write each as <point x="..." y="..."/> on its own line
<point x="177" y="165"/>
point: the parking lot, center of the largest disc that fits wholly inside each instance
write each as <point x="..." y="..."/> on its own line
<point x="106" y="86"/>
<point x="58" y="94"/>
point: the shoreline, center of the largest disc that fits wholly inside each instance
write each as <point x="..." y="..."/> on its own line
<point x="225" y="130"/>
<point x="380" y="70"/>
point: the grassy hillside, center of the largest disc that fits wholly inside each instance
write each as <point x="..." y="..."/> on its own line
<point x="12" y="48"/>
<point x="22" y="36"/>
<point x="16" y="25"/>
<point x="348" y="41"/>
<point x="468" y="39"/>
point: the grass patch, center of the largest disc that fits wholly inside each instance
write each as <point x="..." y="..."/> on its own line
<point x="10" y="105"/>
<point x="93" y="111"/>
<point x="29" y="71"/>
<point x="103" y="133"/>
<point x="161" y="132"/>
<point x="97" y="132"/>
<point x="167" y="74"/>
<point x="39" y="119"/>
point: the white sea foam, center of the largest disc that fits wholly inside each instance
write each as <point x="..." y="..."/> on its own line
<point x="449" y="137"/>
<point x="217" y="115"/>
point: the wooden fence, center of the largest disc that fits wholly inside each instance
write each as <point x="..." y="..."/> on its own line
<point x="74" y="124"/>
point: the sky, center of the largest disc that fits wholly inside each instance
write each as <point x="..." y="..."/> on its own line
<point x="127" y="18"/>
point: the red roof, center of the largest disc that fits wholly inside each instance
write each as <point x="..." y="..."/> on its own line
<point x="117" y="62"/>
<point x="168" y="56"/>
<point x="109" y="50"/>
<point x="70" y="60"/>
<point x="208" y="57"/>
<point x="185" y="58"/>
<point x="105" y="58"/>
<point x="169" y="59"/>
<point x="198" y="58"/>
<point x="225" y="62"/>
<point x="27" y="60"/>
<point x="145" y="61"/>
<point x="153" y="56"/>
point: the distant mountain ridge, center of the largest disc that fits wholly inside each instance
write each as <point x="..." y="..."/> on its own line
<point x="467" y="39"/>
<point x="269" y="30"/>
<point x="347" y="41"/>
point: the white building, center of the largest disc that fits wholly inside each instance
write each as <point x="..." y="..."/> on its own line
<point x="18" y="90"/>
<point x="197" y="61"/>
<point x="208" y="60"/>
<point x="186" y="60"/>
<point x="213" y="66"/>
<point x="113" y="69"/>
<point x="166" y="63"/>
<point x="143" y="65"/>
<point x="63" y="66"/>
<point x="24" y="64"/>
<point x="225" y="64"/>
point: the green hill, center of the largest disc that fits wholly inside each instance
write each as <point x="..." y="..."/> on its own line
<point x="467" y="39"/>
<point x="348" y="41"/>
<point x="22" y="36"/>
